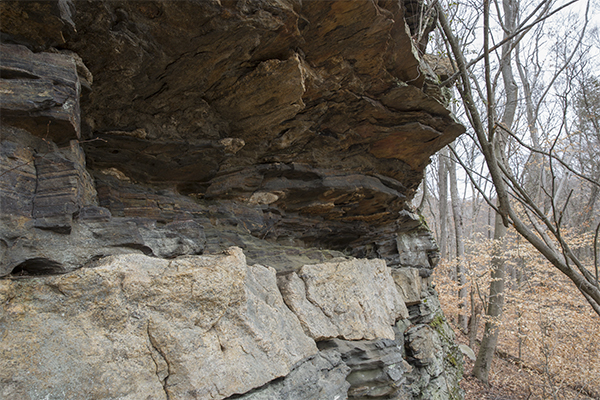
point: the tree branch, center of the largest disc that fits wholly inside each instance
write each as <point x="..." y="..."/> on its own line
<point x="521" y="30"/>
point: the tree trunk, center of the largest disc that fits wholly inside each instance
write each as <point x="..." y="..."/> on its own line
<point x="474" y="319"/>
<point x="460" y="246"/>
<point x="496" y="297"/>
<point x="495" y="305"/>
<point x="443" y="204"/>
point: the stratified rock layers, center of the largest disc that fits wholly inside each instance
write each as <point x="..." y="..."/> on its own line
<point x="315" y="119"/>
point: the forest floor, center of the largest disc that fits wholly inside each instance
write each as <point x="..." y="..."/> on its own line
<point x="549" y="338"/>
<point x="509" y="381"/>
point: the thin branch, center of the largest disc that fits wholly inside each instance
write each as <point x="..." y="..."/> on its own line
<point x="563" y="163"/>
<point x="519" y="31"/>
<point x="479" y="189"/>
<point x="596" y="252"/>
<point x="16" y="167"/>
<point x="567" y="61"/>
<point x="488" y="82"/>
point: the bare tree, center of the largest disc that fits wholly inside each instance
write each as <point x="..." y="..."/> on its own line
<point x="459" y="242"/>
<point x="515" y="206"/>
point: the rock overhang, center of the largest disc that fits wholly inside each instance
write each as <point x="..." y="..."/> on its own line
<point x="296" y="131"/>
<point x="317" y="118"/>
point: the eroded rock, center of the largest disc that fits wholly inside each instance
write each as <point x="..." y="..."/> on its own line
<point x="316" y="115"/>
<point x="354" y="299"/>
<point x="322" y="377"/>
<point x="134" y="326"/>
<point x="40" y="92"/>
<point x="409" y="284"/>
<point x="378" y="368"/>
<point x="297" y="131"/>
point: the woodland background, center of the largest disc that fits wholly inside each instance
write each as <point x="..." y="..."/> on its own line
<point x="514" y="202"/>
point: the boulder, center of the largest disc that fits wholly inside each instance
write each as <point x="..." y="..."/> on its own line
<point x="350" y="299"/>
<point x="195" y="327"/>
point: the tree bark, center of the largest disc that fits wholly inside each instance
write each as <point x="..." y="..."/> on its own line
<point x="460" y="245"/>
<point x="487" y="349"/>
<point x="443" y="203"/>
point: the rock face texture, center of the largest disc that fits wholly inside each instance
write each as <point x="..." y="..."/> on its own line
<point x="141" y="139"/>
<point x="353" y="300"/>
<point x="211" y="327"/>
<point x="150" y="327"/>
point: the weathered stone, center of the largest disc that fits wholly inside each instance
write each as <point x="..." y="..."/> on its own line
<point x="315" y="323"/>
<point x="425" y="348"/>
<point x="378" y="367"/>
<point x="321" y="377"/>
<point x="40" y="92"/>
<point x="37" y="23"/>
<point x="297" y="131"/>
<point x="51" y="219"/>
<point x="354" y="299"/>
<point x="427" y="309"/>
<point x="409" y="284"/>
<point x="93" y="214"/>
<point x="63" y="186"/>
<point x="18" y="180"/>
<point x="265" y="109"/>
<point x="315" y="76"/>
<point x="431" y="348"/>
<point x="418" y="249"/>
<point x="328" y="142"/>
<point x="134" y="326"/>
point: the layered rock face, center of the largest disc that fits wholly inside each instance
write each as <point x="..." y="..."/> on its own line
<point x="139" y="138"/>
<point x="212" y="327"/>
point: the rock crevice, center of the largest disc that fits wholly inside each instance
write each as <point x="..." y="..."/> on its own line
<point x="162" y="364"/>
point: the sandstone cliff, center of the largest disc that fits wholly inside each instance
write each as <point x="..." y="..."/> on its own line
<point x="141" y="140"/>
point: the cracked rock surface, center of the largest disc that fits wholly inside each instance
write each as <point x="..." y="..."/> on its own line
<point x="212" y="327"/>
<point x="353" y="299"/>
<point x="192" y="328"/>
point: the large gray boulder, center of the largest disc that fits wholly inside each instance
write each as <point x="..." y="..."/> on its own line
<point x="350" y="299"/>
<point x="137" y="327"/>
